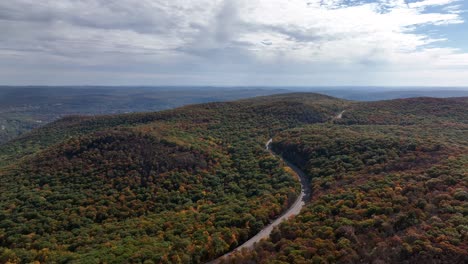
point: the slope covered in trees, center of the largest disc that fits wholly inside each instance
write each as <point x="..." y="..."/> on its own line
<point x="182" y="185"/>
<point x="381" y="193"/>
<point x="23" y="108"/>
<point x="408" y="112"/>
<point x="189" y="184"/>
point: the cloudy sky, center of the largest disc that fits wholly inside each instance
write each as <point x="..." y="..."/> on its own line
<point x="234" y="42"/>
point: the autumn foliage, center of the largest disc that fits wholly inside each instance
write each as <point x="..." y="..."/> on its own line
<point x="188" y="185"/>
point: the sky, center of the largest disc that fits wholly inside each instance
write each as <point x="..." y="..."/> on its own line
<point x="234" y="42"/>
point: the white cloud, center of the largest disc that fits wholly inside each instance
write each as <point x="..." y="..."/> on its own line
<point x="427" y="3"/>
<point x="336" y="38"/>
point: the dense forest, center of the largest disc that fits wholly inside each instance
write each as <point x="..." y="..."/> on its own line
<point x="184" y="185"/>
<point x="187" y="185"/>
<point x="396" y="192"/>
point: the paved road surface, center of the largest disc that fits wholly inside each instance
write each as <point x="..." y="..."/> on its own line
<point x="340" y="115"/>
<point x="293" y="210"/>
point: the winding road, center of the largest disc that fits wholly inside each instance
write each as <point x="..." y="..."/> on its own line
<point x="293" y="210"/>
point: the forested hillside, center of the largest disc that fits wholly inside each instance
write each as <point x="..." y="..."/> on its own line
<point x="190" y="184"/>
<point x="390" y="193"/>
<point x="408" y="112"/>
<point x="182" y="185"/>
<point x="24" y="108"/>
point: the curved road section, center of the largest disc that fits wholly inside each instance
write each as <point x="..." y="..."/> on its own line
<point x="293" y="210"/>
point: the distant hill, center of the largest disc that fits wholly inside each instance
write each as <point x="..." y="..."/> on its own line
<point x="408" y="111"/>
<point x="25" y="108"/>
<point x="389" y="93"/>
<point x="189" y="184"/>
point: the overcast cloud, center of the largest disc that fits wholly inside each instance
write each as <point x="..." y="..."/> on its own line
<point x="232" y="42"/>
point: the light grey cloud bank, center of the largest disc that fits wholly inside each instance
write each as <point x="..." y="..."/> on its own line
<point x="231" y="42"/>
